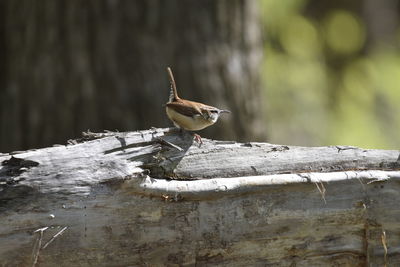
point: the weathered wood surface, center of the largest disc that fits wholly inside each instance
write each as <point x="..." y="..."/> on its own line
<point x="155" y="198"/>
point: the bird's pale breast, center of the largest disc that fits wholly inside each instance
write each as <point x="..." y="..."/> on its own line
<point x="190" y="123"/>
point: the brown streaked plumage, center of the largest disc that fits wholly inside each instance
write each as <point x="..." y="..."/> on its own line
<point x="189" y="115"/>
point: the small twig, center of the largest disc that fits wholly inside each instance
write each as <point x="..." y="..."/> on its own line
<point x="38" y="244"/>
<point x="378" y="180"/>
<point x="163" y="142"/>
<point x="54" y="237"/>
<point x="384" y="241"/>
<point x="322" y="190"/>
<point x="342" y="148"/>
<point x="41" y="229"/>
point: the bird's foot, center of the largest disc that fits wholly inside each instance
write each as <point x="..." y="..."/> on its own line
<point x="197" y="138"/>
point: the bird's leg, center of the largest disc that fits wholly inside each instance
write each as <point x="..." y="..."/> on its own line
<point x="197" y="138"/>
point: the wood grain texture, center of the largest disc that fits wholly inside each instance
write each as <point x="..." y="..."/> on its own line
<point x="140" y="199"/>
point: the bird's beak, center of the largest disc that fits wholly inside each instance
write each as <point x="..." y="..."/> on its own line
<point x="224" y="111"/>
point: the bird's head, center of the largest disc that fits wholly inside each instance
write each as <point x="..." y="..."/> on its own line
<point x="213" y="114"/>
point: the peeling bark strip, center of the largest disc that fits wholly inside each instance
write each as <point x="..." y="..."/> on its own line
<point x="155" y="198"/>
<point x="219" y="187"/>
<point x="166" y="153"/>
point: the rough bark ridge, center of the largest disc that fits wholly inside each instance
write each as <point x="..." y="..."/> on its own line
<point x="155" y="197"/>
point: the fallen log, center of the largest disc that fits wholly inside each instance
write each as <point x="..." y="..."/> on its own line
<point x="156" y="197"/>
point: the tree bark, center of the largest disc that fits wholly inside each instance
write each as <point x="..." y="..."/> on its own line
<point x="158" y="198"/>
<point x="78" y="65"/>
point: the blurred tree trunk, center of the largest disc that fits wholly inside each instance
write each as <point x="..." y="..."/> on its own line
<point x="69" y="66"/>
<point x="382" y="19"/>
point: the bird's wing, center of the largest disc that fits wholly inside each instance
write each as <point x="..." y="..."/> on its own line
<point x="186" y="108"/>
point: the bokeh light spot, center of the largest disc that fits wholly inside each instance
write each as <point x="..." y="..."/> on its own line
<point x="343" y="32"/>
<point x="300" y="37"/>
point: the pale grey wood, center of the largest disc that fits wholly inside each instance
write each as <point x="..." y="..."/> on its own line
<point x="75" y="168"/>
<point x="220" y="187"/>
<point x="106" y="202"/>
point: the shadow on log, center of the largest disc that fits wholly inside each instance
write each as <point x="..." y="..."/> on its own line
<point x="156" y="198"/>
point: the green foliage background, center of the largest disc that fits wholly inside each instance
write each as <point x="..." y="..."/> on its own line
<point x="325" y="82"/>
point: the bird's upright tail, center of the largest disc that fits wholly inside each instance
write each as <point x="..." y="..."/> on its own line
<point x="173" y="94"/>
